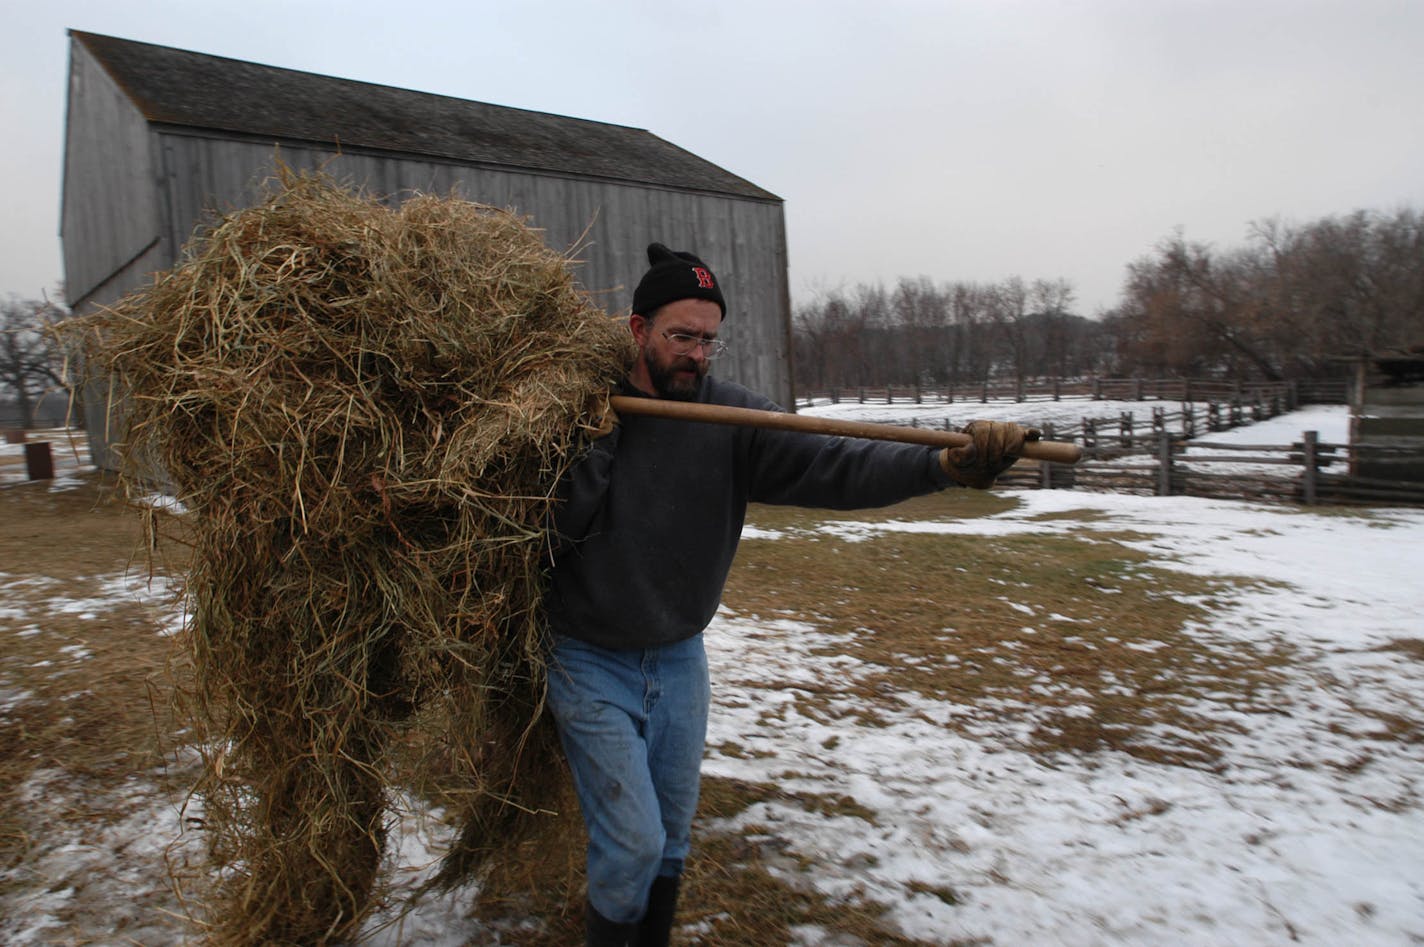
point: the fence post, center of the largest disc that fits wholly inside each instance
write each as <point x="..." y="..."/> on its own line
<point x="1137" y="389"/>
<point x="1097" y="389"/>
<point x="1056" y="388"/>
<point x="1308" y="479"/>
<point x="1189" y="421"/>
<point x="1045" y="469"/>
<point x="1090" y="433"/>
<point x="1124" y="424"/>
<point x="1164" y="465"/>
<point x="862" y="396"/>
<point x="39" y="462"/>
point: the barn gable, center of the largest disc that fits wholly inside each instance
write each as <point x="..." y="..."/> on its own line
<point x="158" y="140"/>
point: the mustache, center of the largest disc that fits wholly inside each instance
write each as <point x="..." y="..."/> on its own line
<point x="679" y="363"/>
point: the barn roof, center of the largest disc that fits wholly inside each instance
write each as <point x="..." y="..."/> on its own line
<point x="194" y="90"/>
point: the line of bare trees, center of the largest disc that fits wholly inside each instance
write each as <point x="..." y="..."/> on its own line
<point x="1290" y="305"/>
<point x="924" y="333"/>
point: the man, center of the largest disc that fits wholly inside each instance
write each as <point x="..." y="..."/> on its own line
<point x="644" y="539"/>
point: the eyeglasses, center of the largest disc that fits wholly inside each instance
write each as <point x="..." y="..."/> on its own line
<point x="683" y="344"/>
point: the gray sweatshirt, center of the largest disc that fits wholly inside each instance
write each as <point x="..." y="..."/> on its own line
<point x="650" y="517"/>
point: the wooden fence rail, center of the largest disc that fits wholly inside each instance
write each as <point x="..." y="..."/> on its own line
<point x="1125" y="432"/>
<point x="1307" y="471"/>
<point x="1292" y="393"/>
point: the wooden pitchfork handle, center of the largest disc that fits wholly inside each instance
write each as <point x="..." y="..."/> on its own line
<point x="1056" y="451"/>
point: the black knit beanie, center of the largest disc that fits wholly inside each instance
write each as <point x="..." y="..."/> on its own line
<point x="674" y="276"/>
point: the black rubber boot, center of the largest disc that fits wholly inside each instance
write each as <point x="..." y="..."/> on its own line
<point x="662" y="902"/>
<point x="599" y="931"/>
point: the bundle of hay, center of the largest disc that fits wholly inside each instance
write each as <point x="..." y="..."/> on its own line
<point x="365" y="411"/>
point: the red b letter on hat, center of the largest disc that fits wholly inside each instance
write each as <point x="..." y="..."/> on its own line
<point x="704" y="278"/>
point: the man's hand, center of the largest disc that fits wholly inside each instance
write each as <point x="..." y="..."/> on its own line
<point x="995" y="447"/>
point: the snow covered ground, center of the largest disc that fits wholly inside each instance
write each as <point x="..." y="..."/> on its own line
<point x="1288" y="842"/>
<point x="1331" y="422"/>
<point x="1309" y="831"/>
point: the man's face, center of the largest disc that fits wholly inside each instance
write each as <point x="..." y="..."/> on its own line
<point x="661" y="370"/>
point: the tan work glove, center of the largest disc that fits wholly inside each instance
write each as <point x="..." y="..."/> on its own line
<point x="995" y="447"/>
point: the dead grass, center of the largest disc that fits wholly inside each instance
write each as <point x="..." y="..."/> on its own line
<point x="84" y="674"/>
<point x="1074" y="633"/>
<point x="1412" y="648"/>
<point x="69" y="544"/>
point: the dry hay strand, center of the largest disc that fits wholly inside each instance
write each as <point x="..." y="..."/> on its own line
<point x="365" y="411"/>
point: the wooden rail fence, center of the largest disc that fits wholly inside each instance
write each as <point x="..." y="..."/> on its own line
<point x="1159" y="456"/>
<point x="1124" y="432"/>
<point x="1308" y="471"/>
<point x="1291" y="393"/>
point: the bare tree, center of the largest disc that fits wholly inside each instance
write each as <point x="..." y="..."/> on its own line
<point x="31" y="361"/>
<point x="1051" y="300"/>
<point x="1347" y="285"/>
<point x="1288" y="304"/>
<point x="1008" y="308"/>
<point x="833" y="339"/>
<point x="1194" y="313"/>
<point x="949" y="334"/>
<point x="874" y="326"/>
<point x="922" y="320"/>
<point x="969" y="312"/>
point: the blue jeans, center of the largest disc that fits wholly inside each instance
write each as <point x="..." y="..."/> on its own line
<point x="632" y="724"/>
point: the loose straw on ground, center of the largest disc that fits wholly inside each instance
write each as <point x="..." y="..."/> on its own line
<point x="365" y="409"/>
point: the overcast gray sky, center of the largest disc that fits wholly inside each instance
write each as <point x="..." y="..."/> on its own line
<point x="955" y="140"/>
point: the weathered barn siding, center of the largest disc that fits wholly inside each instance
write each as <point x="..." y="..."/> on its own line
<point x="159" y="141"/>
<point x="606" y="225"/>
<point x="109" y="219"/>
<point x="110" y="226"/>
<point x="1387" y="422"/>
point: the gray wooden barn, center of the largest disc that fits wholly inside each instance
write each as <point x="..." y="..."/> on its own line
<point x="160" y="139"/>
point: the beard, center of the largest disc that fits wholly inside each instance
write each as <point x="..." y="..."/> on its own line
<point x="669" y="379"/>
